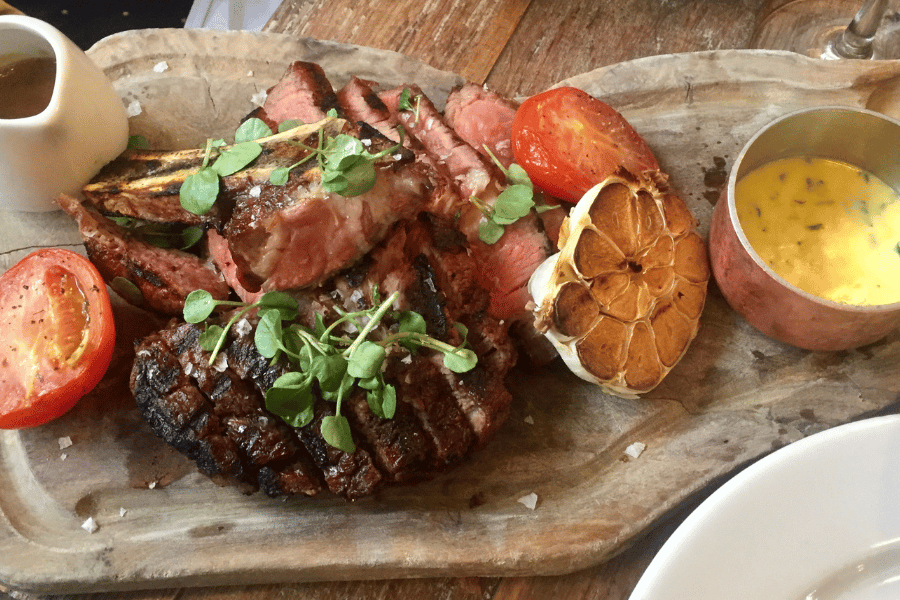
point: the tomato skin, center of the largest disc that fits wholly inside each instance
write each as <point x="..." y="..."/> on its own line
<point x="568" y="141"/>
<point x="57" y="336"/>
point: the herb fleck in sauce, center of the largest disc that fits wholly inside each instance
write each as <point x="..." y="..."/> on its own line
<point x="826" y="227"/>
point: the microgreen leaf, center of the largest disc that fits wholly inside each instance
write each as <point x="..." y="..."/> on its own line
<point x="512" y="204"/>
<point x="251" y="129"/>
<point x="343" y="152"/>
<point x="210" y="337"/>
<point x="284" y="303"/>
<point x="267" y="336"/>
<point x="291" y="398"/>
<point x="279" y="175"/>
<point x="198" y="305"/>
<point x="190" y="236"/>
<point x="199" y="190"/>
<point x="332" y="112"/>
<point x="405" y="102"/>
<point x="336" y="431"/>
<point x="366" y="360"/>
<point x="360" y="179"/>
<point x="490" y="232"/>
<point x="382" y="401"/>
<point x="236" y="158"/>
<point x="516" y="175"/>
<point x="329" y="370"/>
<point x="460" y="360"/>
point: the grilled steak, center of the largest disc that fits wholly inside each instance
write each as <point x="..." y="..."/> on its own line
<point x="415" y="232"/>
<point x="217" y="415"/>
<point x="164" y="276"/>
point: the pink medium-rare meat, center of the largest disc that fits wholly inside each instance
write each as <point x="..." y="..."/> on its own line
<point x="298" y="234"/>
<point x="164" y="276"/>
<point x="473" y="175"/>
<point x="482" y="117"/>
<point x="303" y="93"/>
<point x="360" y="102"/>
<point x="503" y="268"/>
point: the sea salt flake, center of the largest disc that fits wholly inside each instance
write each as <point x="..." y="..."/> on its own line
<point x="635" y="450"/>
<point x="529" y="419"/>
<point x="90" y="525"/>
<point x="407" y="360"/>
<point x="529" y="500"/>
<point x="250" y="73"/>
<point x="63" y="456"/>
<point x="151" y="485"/>
<point x="243" y="327"/>
<point x="122" y="512"/>
<point x="259" y="98"/>
<point x="161" y="66"/>
<point x="221" y="363"/>
<point x="255" y="191"/>
<point x="133" y="109"/>
<point x="64" y="442"/>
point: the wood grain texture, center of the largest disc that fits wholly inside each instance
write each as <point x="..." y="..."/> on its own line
<point x="525" y="46"/>
<point x="461" y="36"/>
<point x="7" y="9"/>
<point x="516" y="46"/>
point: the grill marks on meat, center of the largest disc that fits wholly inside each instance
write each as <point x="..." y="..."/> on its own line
<point x="303" y="93"/>
<point x="145" y="184"/>
<point x="214" y="417"/>
<point x="441" y="416"/>
<point x="164" y="276"/>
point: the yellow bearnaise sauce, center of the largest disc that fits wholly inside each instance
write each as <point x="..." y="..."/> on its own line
<point x="825" y="226"/>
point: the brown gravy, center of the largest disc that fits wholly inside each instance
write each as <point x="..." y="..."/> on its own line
<point x="26" y="87"/>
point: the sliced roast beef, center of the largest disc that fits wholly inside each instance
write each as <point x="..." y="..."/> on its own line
<point x="482" y="118"/>
<point x="473" y="175"/>
<point x="303" y="93"/>
<point x="360" y="102"/>
<point x="296" y="235"/>
<point x="164" y="276"/>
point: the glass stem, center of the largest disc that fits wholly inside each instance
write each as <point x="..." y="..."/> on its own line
<point x="856" y="40"/>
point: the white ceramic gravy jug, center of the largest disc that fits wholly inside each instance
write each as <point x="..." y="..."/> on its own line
<point x="83" y="126"/>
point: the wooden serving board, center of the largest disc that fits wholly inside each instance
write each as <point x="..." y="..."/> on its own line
<point x="735" y="397"/>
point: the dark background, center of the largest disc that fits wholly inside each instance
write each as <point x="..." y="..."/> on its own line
<point x="87" y="21"/>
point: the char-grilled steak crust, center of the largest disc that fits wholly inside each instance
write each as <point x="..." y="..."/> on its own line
<point x="217" y="416"/>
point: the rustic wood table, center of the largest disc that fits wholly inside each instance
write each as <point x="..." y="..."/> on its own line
<point x="519" y="47"/>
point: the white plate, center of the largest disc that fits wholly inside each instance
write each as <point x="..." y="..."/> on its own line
<point x="817" y="520"/>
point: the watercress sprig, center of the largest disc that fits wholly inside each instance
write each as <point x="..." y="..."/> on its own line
<point x="199" y="190"/>
<point x="410" y="104"/>
<point x="331" y="363"/>
<point x="513" y="203"/>
<point x="347" y="167"/>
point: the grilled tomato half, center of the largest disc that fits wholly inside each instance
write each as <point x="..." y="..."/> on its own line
<point x="56" y="336"/>
<point x="568" y="141"/>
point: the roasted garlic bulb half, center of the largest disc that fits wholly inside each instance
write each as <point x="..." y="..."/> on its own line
<point x="622" y="299"/>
